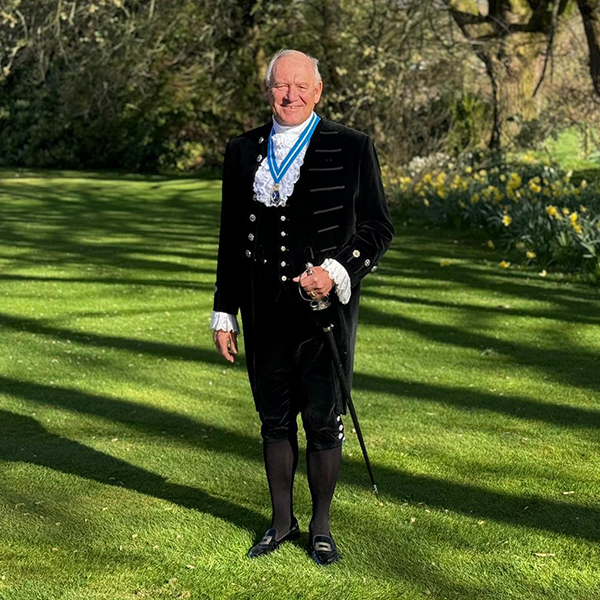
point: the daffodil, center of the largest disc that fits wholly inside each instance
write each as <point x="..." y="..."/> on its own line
<point x="506" y="220"/>
<point x="504" y="264"/>
<point x="534" y="187"/>
<point x="515" y="181"/>
<point x="531" y="255"/>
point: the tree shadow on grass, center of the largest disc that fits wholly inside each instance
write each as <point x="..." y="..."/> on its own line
<point x="23" y="439"/>
<point x="591" y="316"/>
<point x="569" y="519"/>
<point x="76" y="225"/>
<point x="186" y="353"/>
<point x="576" y="366"/>
<point x="519" y="407"/>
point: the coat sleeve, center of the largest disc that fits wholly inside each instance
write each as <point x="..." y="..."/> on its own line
<point x="227" y="288"/>
<point x="373" y="226"/>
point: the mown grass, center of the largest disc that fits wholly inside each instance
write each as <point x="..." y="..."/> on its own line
<point x="130" y="456"/>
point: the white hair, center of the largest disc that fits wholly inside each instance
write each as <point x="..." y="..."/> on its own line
<point x="289" y="52"/>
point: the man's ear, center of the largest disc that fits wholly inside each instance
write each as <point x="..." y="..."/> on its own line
<point x="318" y="92"/>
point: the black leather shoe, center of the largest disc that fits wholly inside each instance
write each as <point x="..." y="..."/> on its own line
<point x="323" y="550"/>
<point x="269" y="544"/>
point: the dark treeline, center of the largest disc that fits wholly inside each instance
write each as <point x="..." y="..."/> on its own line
<point x="162" y="84"/>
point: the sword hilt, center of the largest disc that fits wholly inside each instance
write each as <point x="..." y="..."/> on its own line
<point x="320" y="304"/>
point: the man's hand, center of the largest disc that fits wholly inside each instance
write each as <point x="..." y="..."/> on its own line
<point x="226" y="343"/>
<point x="317" y="285"/>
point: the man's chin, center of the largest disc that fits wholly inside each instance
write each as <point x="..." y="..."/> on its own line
<point x="291" y="117"/>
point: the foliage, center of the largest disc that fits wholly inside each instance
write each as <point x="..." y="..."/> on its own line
<point x="533" y="210"/>
<point x="163" y="84"/>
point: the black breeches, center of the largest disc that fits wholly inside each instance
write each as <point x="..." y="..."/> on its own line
<point x="291" y="373"/>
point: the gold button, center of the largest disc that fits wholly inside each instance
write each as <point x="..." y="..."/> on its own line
<point x="283" y="278"/>
<point x="283" y="248"/>
<point x="356" y="253"/>
<point x="283" y="263"/>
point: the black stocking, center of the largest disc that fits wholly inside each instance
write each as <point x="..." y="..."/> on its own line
<point x="281" y="460"/>
<point x="323" y="467"/>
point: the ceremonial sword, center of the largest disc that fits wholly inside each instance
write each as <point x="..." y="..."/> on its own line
<point x="322" y="304"/>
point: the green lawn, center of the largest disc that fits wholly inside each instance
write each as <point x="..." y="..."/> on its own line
<point x="130" y="455"/>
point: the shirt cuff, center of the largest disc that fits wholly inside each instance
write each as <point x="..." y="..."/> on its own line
<point x="224" y="322"/>
<point x="340" y="277"/>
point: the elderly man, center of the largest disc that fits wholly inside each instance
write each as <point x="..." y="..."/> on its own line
<point x="298" y="189"/>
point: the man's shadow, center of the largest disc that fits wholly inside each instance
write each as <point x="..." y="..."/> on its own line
<point x="23" y="439"/>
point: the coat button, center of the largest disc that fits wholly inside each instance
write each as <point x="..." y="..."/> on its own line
<point x="356" y="253"/>
<point x="252" y="218"/>
<point x="283" y="234"/>
<point x="248" y="253"/>
<point x="282" y="217"/>
<point x="283" y="248"/>
<point x="283" y="263"/>
<point x="283" y="278"/>
<point x="259" y="158"/>
<point x="261" y="140"/>
<point x="367" y="262"/>
<point x="251" y="237"/>
<point x="374" y="268"/>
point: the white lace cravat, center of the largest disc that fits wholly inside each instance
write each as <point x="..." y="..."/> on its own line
<point x="283" y="140"/>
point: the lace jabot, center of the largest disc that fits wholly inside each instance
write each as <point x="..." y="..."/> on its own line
<point x="283" y="140"/>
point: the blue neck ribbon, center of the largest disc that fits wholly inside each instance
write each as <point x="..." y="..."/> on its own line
<point x="278" y="171"/>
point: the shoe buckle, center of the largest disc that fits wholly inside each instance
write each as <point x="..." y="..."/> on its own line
<point x="266" y="540"/>
<point x="323" y="546"/>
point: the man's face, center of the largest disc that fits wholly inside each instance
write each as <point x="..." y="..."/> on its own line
<point x="294" y="90"/>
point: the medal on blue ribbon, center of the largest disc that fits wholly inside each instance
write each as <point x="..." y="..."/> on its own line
<point x="278" y="171"/>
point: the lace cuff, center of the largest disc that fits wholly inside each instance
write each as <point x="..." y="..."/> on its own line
<point x="224" y="322"/>
<point x="340" y="277"/>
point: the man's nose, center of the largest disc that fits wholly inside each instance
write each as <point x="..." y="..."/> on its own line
<point x="292" y="93"/>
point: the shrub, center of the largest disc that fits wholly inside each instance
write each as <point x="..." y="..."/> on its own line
<point x="533" y="208"/>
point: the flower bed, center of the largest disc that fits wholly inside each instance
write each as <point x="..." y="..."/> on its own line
<point x="531" y="210"/>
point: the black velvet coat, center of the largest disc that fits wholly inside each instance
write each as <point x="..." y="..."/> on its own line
<point x="337" y="210"/>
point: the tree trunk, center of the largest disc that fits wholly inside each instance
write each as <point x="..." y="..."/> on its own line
<point x="590" y="15"/>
